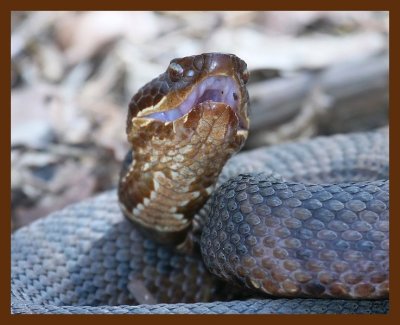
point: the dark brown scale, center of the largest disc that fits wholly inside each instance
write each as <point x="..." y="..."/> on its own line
<point x="198" y="62"/>
<point x="150" y="94"/>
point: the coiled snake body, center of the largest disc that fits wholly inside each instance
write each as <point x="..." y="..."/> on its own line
<point x="268" y="226"/>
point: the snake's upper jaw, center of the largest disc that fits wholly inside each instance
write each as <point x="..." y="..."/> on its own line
<point x="217" y="89"/>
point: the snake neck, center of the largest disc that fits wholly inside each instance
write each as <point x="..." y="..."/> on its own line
<point x="173" y="172"/>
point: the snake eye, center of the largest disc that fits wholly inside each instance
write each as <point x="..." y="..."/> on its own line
<point x="245" y="75"/>
<point x="175" y="71"/>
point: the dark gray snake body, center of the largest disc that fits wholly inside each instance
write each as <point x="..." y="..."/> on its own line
<point x="85" y="256"/>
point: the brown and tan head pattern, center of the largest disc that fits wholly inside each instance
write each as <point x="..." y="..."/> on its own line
<point x="183" y="126"/>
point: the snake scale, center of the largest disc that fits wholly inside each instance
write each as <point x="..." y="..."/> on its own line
<point x="296" y="221"/>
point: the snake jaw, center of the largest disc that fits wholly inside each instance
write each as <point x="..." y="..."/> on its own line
<point x="200" y="78"/>
<point x="218" y="89"/>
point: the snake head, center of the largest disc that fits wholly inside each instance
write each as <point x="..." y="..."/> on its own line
<point x="189" y="82"/>
<point x="183" y="126"/>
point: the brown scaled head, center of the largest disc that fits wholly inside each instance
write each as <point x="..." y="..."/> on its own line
<point x="183" y="126"/>
<point x="192" y="80"/>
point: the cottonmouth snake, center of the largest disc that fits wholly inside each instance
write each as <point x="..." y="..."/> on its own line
<point x="267" y="226"/>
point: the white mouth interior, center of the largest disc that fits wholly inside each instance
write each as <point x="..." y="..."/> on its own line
<point x="219" y="89"/>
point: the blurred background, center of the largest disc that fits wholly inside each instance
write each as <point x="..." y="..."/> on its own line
<point x="74" y="73"/>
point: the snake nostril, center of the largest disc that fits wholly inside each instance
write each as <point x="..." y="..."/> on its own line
<point x="188" y="73"/>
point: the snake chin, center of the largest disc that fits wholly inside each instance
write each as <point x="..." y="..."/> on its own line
<point x="217" y="89"/>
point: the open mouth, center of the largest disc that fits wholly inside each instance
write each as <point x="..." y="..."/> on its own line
<point x="220" y="89"/>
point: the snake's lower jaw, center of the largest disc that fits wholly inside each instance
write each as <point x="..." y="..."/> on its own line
<point x="225" y="122"/>
<point x="216" y="124"/>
